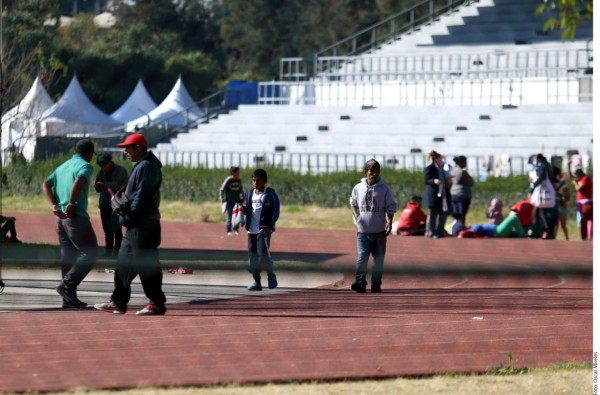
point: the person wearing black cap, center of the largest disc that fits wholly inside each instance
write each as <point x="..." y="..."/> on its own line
<point x="141" y="217"/>
<point x="109" y="179"/>
<point x="67" y="191"/>
<point x="262" y="211"/>
<point x="373" y="207"/>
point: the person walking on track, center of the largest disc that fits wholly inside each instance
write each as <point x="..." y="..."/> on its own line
<point x="67" y="191"/>
<point x="140" y="215"/>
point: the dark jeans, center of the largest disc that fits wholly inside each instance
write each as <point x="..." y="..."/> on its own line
<point x="113" y="233"/>
<point x="460" y="206"/>
<point x="370" y="244"/>
<point x="436" y="222"/>
<point x="139" y="255"/>
<point x="78" y="247"/>
<point x="259" y="255"/>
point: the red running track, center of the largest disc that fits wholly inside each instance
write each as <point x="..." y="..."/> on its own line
<point x="449" y="305"/>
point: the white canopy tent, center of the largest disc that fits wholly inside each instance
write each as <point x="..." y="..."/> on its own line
<point x="75" y="114"/>
<point x="21" y="124"/>
<point x="175" y="111"/>
<point x="139" y="103"/>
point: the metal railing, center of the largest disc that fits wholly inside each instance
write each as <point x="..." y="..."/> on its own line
<point x="481" y="166"/>
<point x="492" y="64"/>
<point x="371" y="37"/>
<point x="429" y="91"/>
<point x="390" y="28"/>
<point x="160" y="130"/>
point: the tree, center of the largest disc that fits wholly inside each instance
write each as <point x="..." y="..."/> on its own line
<point x="258" y="33"/>
<point x="570" y="15"/>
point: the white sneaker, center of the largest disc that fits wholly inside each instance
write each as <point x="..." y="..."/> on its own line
<point x="236" y="233"/>
<point x="229" y="233"/>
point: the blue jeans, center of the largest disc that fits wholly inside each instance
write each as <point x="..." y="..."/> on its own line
<point x="259" y="255"/>
<point x="78" y="248"/>
<point x="370" y="244"/>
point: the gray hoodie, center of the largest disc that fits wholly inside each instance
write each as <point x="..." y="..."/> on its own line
<point x="374" y="203"/>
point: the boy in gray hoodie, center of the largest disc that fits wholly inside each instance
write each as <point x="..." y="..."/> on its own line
<point x="373" y="206"/>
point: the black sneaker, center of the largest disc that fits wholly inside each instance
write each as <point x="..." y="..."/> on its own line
<point x="68" y="294"/>
<point x="375" y="290"/>
<point x="68" y="305"/>
<point x="358" y="287"/>
<point x="273" y="282"/>
<point x="255" y="287"/>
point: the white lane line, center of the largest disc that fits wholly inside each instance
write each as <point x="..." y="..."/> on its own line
<point x="465" y="280"/>
<point x="563" y="280"/>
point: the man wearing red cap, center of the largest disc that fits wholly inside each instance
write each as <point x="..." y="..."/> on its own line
<point x="141" y="217"/>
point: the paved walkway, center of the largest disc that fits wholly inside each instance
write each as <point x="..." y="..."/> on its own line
<point x="449" y="305"/>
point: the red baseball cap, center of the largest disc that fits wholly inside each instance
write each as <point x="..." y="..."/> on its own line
<point x="134" y="139"/>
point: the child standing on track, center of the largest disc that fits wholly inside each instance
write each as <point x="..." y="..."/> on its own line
<point x="262" y="212"/>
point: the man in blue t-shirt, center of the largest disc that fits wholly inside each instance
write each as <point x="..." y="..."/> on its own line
<point x="66" y="188"/>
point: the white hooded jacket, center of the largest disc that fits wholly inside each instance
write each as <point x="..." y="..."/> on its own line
<point x="373" y="203"/>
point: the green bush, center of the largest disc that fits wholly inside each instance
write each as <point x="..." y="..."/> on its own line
<point x="331" y="190"/>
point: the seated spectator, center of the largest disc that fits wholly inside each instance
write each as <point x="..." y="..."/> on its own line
<point x="479" y="231"/>
<point x="524" y="211"/>
<point x="494" y="213"/>
<point x="510" y="227"/>
<point x="412" y="220"/>
<point x="8" y="226"/>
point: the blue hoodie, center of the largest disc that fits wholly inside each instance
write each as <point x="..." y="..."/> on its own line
<point x="143" y="190"/>
<point x="270" y="209"/>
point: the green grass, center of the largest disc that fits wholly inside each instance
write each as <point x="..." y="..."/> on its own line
<point x="292" y="216"/>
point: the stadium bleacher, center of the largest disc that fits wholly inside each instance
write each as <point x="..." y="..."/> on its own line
<point x="417" y="93"/>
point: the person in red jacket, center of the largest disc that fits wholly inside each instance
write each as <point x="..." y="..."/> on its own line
<point x="412" y="220"/>
<point x="584" y="203"/>
<point x="524" y="210"/>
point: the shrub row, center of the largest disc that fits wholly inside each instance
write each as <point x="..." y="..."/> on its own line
<point x="332" y="190"/>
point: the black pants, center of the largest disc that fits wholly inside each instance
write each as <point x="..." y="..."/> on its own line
<point x="8" y="227"/>
<point x="113" y="233"/>
<point x="139" y="255"/>
<point x="436" y="221"/>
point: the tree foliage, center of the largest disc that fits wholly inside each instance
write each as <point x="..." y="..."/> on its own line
<point x="206" y="42"/>
<point x="568" y="15"/>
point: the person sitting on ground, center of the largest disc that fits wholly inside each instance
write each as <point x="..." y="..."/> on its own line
<point x="510" y="227"/>
<point x="8" y="226"/>
<point x="494" y="212"/>
<point x="413" y="220"/>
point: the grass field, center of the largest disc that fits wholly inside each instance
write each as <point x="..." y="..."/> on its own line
<point x="292" y="216"/>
